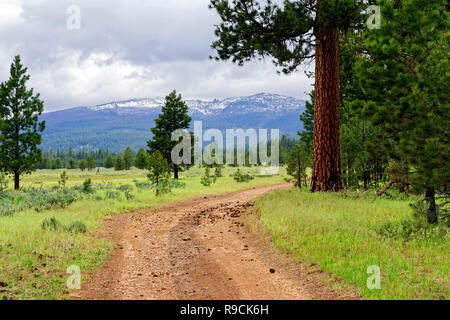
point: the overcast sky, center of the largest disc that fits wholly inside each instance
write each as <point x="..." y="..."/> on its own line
<point x="127" y="49"/>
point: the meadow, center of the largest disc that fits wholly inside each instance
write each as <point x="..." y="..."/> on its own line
<point x="345" y="233"/>
<point x="38" y="244"/>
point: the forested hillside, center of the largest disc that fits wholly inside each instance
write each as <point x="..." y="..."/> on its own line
<point x="114" y="126"/>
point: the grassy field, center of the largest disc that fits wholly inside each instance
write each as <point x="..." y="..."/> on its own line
<point x="341" y="235"/>
<point x="33" y="261"/>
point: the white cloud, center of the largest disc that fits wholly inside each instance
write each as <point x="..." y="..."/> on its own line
<point x="10" y="12"/>
<point x="127" y="49"/>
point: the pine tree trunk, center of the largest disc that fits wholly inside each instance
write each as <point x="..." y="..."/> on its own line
<point x="175" y="172"/>
<point x="432" y="209"/>
<point x="326" y="173"/>
<point x="16" y="181"/>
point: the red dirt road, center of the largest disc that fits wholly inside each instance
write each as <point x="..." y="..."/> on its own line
<point x="199" y="249"/>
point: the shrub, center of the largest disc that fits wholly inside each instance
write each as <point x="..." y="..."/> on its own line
<point x="177" y="184"/>
<point x="105" y="185"/>
<point x="218" y="171"/>
<point x="128" y="195"/>
<point x="63" y="180"/>
<point x="6" y="211"/>
<point x="45" y="200"/>
<point x="126" y="189"/>
<point x="112" y="194"/>
<point x="37" y="199"/>
<point x="51" y="224"/>
<point x="416" y="227"/>
<point x="163" y="187"/>
<point x="76" y="227"/>
<point x="206" y="179"/>
<point x="87" y="186"/>
<point x="239" y="177"/>
<point x="77" y="187"/>
<point x="142" y="185"/>
<point x="404" y="229"/>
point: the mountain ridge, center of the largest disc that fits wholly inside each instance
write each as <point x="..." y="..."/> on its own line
<point x="118" y="124"/>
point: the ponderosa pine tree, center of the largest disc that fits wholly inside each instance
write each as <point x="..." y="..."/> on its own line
<point x="71" y="164"/>
<point x="119" y="163"/>
<point x="299" y="160"/>
<point x="293" y="33"/>
<point x="109" y="162"/>
<point x="158" y="168"/>
<point x="307" y="117"/>
<point x="142" y="159"/>
<point x="128" y="158"/>
<point x="82" y="164"/>
<point x="173" y="116"/>
<point x="57" y="164"/>
<point x="90" y="163"/>
<point x="404" y="76"/>
<point x="361" y="157"/>
<point x="20" y="129"/>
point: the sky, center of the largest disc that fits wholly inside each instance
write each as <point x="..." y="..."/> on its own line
<point x="122" y="49"/>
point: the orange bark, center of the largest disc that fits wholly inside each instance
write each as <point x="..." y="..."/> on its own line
<point x="326" y="165"/>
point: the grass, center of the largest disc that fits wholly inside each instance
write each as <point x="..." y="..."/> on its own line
<point x="339" y="234"/>
<point x="33" y="261"/>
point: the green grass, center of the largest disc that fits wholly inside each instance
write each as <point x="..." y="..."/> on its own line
<point x="339" y="234"/>
<point x="33" y="261"/>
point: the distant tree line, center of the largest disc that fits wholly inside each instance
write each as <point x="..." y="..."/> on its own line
<point x="89" y="160"/>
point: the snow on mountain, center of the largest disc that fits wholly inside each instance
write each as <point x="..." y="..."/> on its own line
<point x="116" y="125"/>
<point x="261" y="102"/>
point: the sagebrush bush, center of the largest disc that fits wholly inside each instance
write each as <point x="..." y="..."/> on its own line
<point x="143" y="185"/>
<point x="105" y="185"/>
<point x="125" y="187"/>
<point x="163" y="187"/>
<point x="37" y="199"/>
<point x="44" y="200"/>
<point x="239" y="177"/>
<point x="112" y="194"/>
<point x="7" y="211"/>
<point x="76" y="227"/>
<point x="50" y="224"/>
<point x="177" y="184"/>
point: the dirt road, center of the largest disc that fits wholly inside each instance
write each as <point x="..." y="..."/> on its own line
<point x="198" y="249"/>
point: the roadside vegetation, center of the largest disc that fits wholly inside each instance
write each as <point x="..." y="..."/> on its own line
<point x="346" y="233"/>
